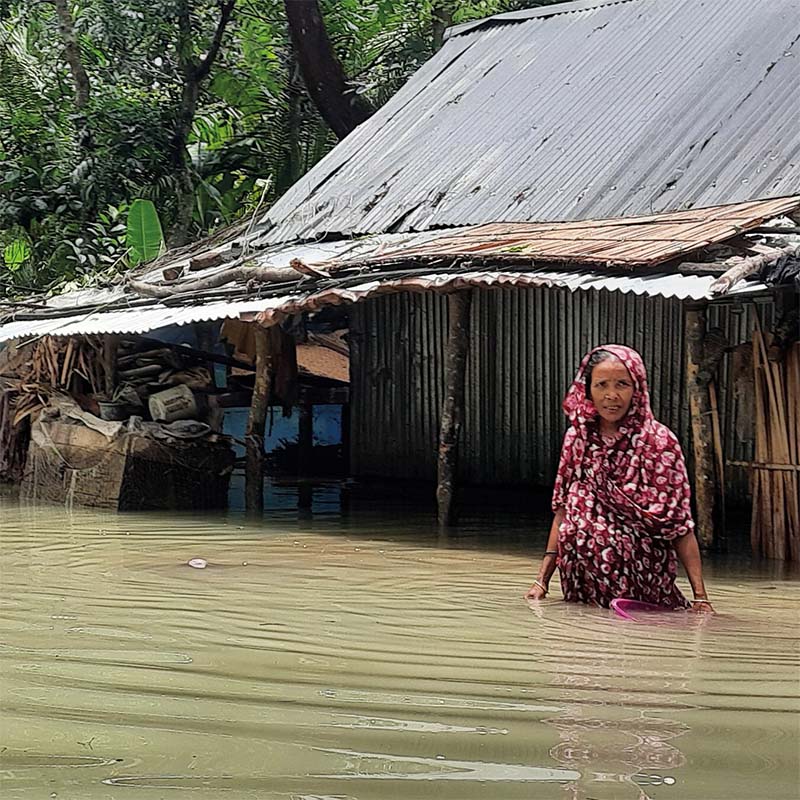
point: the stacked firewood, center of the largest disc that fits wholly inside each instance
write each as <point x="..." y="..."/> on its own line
<point x="29" y="376"/>
<point x="72" y="365"/>
<point x="51" y="365"/>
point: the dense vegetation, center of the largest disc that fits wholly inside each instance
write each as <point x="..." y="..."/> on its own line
<point x="196" y="105"/>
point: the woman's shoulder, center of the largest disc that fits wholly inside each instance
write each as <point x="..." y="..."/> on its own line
<point x="664" y="436"/>
<point x="570" y="437"/>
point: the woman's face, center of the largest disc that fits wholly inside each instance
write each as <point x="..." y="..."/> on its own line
<point x="611" y="390"/>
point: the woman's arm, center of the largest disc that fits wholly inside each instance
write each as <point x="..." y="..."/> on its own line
<point x="689" y="555"/>
<point x="548" y="567"/>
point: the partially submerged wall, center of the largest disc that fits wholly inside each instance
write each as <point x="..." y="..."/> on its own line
<point x="75" y="465"/>
<point x="525" y="348"/>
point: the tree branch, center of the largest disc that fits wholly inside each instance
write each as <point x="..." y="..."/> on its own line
<point x="740" y="268"/>
<point x="204" y="67"/>
<point x="193" y="75"/>
<point x="241" y="274"/>
<point x="322" y="71"/>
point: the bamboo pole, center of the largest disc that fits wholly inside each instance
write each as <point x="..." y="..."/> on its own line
<point x="720" y="462"/>
<point x="256" y="423"/>
<point x="778" y="452"/>
<point x="699" y="408"/>
<point x="459" y="304"/>
<point x="758" y="541"/>
<point x="793" y="407"/>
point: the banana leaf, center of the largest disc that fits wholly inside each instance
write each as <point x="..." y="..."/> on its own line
<point x="144" y="238"/>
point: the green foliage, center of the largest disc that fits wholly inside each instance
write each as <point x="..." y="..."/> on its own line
<point x="16" y="254"/>
<point x="144" y="236"/>
<point x="69" y="177"/>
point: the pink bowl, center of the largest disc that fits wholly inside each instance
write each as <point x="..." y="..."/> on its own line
<point x="628" y="608"/>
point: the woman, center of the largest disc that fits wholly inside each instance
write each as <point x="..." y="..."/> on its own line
<point x="621" y="498"/>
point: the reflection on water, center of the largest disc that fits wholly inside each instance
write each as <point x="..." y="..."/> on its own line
<point x="370" y="658"/>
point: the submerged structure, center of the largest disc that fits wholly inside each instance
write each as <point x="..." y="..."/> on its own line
<point x="539" y="187"/>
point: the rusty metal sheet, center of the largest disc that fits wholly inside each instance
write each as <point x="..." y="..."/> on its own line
<point x="634" y="241"/>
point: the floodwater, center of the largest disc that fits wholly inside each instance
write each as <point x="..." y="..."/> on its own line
<point x="321" y="658"/>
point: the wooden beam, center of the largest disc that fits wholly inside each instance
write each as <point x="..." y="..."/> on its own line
<point x="459" y="304"/>
<point x="702" y="436"/>
<point x="256" y="423"/>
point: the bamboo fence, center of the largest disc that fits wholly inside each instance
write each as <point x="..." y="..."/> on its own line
<point x="775" y="529"/>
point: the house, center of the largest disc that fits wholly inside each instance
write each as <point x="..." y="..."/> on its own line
<point x="610" y="170"/>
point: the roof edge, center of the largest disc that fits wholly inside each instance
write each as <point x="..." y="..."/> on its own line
<point x="539" y="12"/>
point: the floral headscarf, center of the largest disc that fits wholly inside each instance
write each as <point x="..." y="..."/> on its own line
<point x="642" y="475"/>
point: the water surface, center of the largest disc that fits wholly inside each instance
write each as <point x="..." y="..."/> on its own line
<point x="322" y="658"/>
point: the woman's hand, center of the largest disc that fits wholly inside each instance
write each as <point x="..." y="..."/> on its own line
<point x="536" y="592"/>
<point x="703" y="607"/>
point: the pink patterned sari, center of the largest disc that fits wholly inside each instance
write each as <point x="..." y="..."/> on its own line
<point x="625" y="500"/>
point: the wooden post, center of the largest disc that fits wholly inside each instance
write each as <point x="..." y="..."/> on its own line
<point x="256" y="423"/>
<point x="346" y="437"/>
<point x="305" y="438"/>
<point x="459" y="304"/>
<point x="702" y="436"/>
<point x="110" y="344"/>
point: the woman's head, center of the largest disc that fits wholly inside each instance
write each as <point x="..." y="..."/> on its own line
<point x="604" y="373"/>
<point x="609" y="386"/>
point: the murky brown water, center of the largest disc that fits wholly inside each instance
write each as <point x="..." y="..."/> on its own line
<point x="370" y="659"/>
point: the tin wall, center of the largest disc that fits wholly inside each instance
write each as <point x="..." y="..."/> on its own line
<point x="524" y="351"/>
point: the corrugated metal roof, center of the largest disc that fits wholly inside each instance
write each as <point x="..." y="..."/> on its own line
<point x="610" y="110"/>
<point x="426" y="261"/>
<point x="529" y="13"/>
<point x="630" y="241"/>
<point x="273" y="309"/>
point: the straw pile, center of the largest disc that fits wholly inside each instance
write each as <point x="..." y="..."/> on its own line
<point x="775" y="531"/>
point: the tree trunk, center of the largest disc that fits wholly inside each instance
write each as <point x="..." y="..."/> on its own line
<point x="459" y="304"/>
<point x="73" y="54"/>
<point x="322" y="71"/>
<point x="194" y="73"/>
<point x="80" y="80"/>
<point x="256" y="424"/>
<point x="702" y="436"/>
